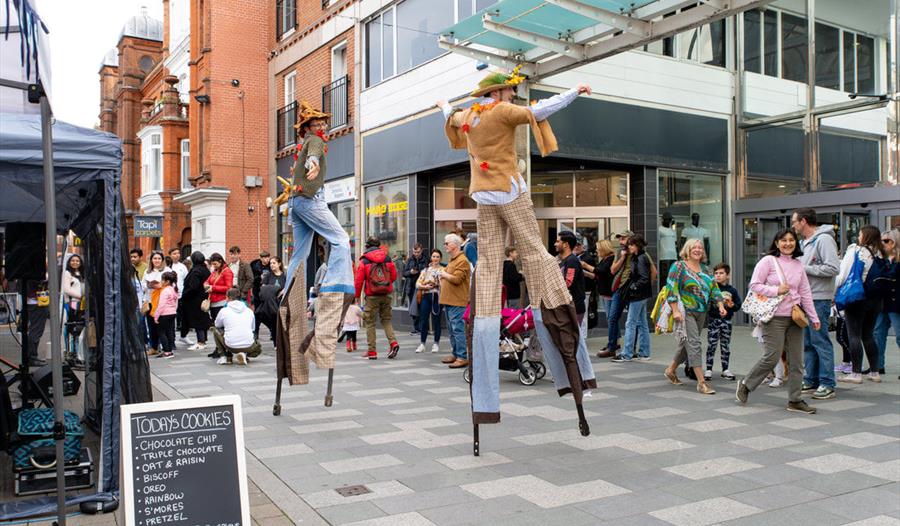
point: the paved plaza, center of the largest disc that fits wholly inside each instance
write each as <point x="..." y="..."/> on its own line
<point x="657" y="454"/>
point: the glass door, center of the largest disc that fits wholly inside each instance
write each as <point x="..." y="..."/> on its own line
<point x="851" y="224"/>
<point x="758" y="234"/>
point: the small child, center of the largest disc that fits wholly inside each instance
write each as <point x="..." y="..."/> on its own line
<point x="351" y="325"/>
<point x="719" y="327"/>
<point x="165" y="313"/>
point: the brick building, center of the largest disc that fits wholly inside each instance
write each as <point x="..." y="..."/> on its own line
<point x="313" y="58"/>
<point x="187" y="96"/>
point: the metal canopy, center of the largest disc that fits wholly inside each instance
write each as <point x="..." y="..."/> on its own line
<point x="546" y="37"/>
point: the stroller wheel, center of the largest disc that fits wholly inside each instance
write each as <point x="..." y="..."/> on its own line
<point x="467" y="376"/>
<point x="528" y="376"/>
<point x="540" y="370"/>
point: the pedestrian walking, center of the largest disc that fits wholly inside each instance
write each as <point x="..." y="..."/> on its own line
<point x="781" y="274"/>
<point x="242" y="274"/>
<point x="620" y="269"/>
<point x="416" y="261"/>
<point x="217" y="284"/>
<point x="375" y="276"/>
<point x="635" y="293"/>
<point x="192" y="298"/>
<point x="152" y="283"/>
<point x="692" y="290"/>
<point x="164" y="314"/>
<point x="603" y="278"/>
<point x="860" y="316"/>
<point x="820" y="259"/>
<point x="890" y="312"/>
<point x="428" y="288"/>
<point x="512" y="278"/>
<point x="272" y="285"/>
<point x="719" y="327"/>
<point x="350" y="326"/>
<point x="74" y="306"/>
<point x="454" y="296"/>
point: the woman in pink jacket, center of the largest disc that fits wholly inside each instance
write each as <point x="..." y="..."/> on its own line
<point x="164" y="316"/>
<point x="780" y="273"/>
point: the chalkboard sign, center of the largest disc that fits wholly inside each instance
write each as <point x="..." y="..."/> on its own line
<point x="183" y="463"/>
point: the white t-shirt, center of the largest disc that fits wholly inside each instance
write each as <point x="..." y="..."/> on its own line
<point x="152" y="275"/>
<point x="695" y="232"/>
<point x="182" y="272"/>
<point x="667" y="250"/>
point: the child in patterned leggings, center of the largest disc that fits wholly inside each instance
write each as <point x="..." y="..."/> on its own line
<point x="720" y="327"/>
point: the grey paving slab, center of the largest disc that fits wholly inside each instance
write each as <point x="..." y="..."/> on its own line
<point x="403" y="429"/>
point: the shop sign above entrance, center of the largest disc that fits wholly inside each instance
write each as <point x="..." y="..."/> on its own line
<point x="148" y="226"/>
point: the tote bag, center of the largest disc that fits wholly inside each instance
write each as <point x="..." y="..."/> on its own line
<point x="852" y="289"/>
<point x="760" y="307"/>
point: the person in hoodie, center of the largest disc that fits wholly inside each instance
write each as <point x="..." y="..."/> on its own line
<point x="375" y="276"/>
<point x="821" y="262"/>
<point x="233" y="331"/>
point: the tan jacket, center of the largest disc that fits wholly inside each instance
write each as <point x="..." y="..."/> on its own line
<point x="492" y="143"/>
<point x="455" y="290"/>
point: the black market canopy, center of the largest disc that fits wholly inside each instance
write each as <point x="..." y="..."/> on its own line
<point x="547" y="37"/>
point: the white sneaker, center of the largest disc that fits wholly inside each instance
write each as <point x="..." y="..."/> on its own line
<point x="420" y="348"/>
<point x="875" y="377"/>
<point x="852" y="378"/>
<point x="240" y="358"/>
<point x="201" y="346"/>
<point x="184" y="341"/>
<point x="223" y="361"/>
<point x="708" y="374"/>
<point x="587" y="393"/>
<point x="435" y="348"/>
<point x="776" y="383"/>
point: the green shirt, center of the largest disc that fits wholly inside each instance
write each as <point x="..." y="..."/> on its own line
<point x="313" y="145"/>
<point x="696" y="289"/>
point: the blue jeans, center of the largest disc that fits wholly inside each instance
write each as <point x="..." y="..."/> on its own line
<point x="312" y="216"/>
<point x="636" y="327"/>
<point x="429" y="309"/>
<point x="616" y="305"/>
<point x="885" y="321"/>
<point x="457" y="330"/>
<point x="818" y="355"/>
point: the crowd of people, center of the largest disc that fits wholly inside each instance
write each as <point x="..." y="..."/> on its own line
<point x="800" y="277"/>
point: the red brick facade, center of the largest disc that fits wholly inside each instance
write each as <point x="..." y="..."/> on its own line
<point x="229" y="41"/>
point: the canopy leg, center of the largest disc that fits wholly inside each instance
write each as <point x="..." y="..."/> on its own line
<point x="328" y="397"/>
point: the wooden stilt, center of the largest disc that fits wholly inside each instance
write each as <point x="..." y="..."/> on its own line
<point x="277" y="409"/>
<point x="476" y="444"/>
<point x="328" y="397"/>
<point x="582" y="421"/>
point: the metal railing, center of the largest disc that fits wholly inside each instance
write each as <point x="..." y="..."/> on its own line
<point x="335" y="102"/>
<point x="286" y="118"/>
<point x="285" y="17"/>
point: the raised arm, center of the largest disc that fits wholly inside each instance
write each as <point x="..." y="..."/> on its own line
<point x="547" y="107"/>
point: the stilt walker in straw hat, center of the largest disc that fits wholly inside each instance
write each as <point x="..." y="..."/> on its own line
<point x="487" y="130"/>
<point x="308" y="213"/>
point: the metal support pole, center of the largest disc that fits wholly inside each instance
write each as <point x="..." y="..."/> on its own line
<point x="893" y="89"/>
<point x="810" y="121"/>
<point x="59" y="428"/>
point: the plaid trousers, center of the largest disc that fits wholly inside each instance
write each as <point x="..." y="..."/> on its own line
<point x="542" y="276"/>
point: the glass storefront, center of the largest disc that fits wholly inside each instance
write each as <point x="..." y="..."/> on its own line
<point x="690" y="206"/>
<point x="387" y="217"/>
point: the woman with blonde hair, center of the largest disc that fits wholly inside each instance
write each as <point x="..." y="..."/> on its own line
<point x="603" y="272"/>
<point x="691" y="289"/>
<point x="890" y="313"/>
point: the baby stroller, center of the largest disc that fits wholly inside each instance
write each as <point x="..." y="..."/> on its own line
<point x="516" y="339"/>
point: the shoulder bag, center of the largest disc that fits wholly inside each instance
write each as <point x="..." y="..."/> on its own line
<point x="759" y="307"/>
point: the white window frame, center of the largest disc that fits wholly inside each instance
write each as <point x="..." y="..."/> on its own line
<point x="151" y="182"/>
<point x="335" y="52"/>
<point x="290" y="79"/>
<point x="293" y="28"/>
<point x="186" y="165"/>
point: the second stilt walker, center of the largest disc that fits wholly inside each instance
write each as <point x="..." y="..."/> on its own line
<point x="309" y="215"/>
<point x="487" y="130"/>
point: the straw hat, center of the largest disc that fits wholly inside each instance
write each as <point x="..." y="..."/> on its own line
<point x="308" y="113"/>
<point x="497" y="80"/>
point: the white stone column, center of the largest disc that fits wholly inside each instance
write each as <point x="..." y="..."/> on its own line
<point x="207" y="218"/>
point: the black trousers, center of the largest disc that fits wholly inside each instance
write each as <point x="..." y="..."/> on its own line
<point x="860" y="318"/>
<point x="166" y="330"/>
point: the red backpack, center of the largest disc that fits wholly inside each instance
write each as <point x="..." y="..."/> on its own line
<point x="378" y="279"/>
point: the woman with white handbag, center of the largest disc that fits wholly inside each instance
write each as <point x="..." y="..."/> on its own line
<point x="779" y="280"/>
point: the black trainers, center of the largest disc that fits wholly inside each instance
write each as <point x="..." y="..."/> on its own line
<point x="742" y="392"/>
<point x="620" y="359"/>
<point x="801" y="407"/>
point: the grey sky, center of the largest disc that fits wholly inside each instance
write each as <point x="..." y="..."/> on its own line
<point x="80" y="34"/>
